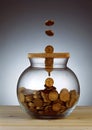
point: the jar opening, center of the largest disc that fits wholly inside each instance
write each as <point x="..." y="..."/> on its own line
<point x="40" y="62"/>
<point x="49" y="59"/>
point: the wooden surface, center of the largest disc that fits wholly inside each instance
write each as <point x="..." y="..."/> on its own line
<point x="48" y="55"/>
<point x="13" y="118"/>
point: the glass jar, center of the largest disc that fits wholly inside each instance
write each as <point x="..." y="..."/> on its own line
<point x="48" y="88"/>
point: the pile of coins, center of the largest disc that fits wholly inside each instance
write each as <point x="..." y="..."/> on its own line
<point x="48" y="101"/>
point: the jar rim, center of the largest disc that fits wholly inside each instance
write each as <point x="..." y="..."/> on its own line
<point x="49" y="55"/>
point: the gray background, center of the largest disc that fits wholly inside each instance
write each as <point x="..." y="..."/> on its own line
<point x="22" y="31"/>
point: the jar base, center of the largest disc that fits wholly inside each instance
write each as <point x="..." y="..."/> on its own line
<point x="51" y="116"/>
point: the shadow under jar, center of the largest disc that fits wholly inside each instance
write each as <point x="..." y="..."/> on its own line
<point x="48" y="88"/>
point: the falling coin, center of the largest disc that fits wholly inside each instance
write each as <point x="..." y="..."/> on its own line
<point x="49" y="22"/>
<point x="49" y="82"/>
<point x="49" y="49"/>
<point x="49" y="32"/>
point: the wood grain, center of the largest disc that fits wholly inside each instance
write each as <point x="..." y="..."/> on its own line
<point x="49" y="55"/>
<point x="13" y="118"/>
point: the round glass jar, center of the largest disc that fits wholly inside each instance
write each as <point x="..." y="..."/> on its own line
<point x="48" y="88"/>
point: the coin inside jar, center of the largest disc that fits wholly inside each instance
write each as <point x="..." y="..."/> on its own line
<point x="64" y="95"/>
<point x="53" y="95"/>
<point x="49" y="82"/>
<point x="49" y="22"/>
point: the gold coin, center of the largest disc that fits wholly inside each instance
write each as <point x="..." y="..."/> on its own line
<point x="49" y="22"/>
<point x="64" y="95"/>
<point x="28" y="98"/>
<point x="49" y="49"/>
<point x="49" y="82"/>
<point x="21" y="97"/>
<point x="53" y="95"/>
<point x="49" y="32"/>
<point x="56" y="107"/>
<point x="38" y="102"/>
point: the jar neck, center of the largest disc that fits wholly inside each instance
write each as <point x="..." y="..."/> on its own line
<point x="57" y="62"/>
